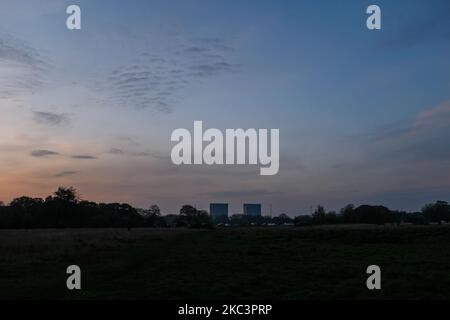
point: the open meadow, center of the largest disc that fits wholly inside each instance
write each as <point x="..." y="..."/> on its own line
<point x="239" y="263"/>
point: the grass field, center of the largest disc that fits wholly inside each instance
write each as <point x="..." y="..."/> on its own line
<point x="275" y="263"/>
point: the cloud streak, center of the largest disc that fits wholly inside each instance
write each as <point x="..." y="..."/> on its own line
<point x="122" y="152"/>
<point x="84" y="157"/>
<point x="22" y="66"/>
<point x="50" y="118"/>
<point x="423" y="139"/>
<point x="65" y="173"/>
<point x="156" y="80"/>
<point x="43" y="153"/>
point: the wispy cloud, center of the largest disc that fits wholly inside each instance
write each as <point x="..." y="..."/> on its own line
<point x="43" y="153"/>
<point x="116" y="151"/>
<point x="437" y="116"/>
<point x="428" y="120"/>
<point x="50" y="118"/>
<point x="122" y="152"/>
<point x="423" y="139"/>
<point x="22" y="68"/>
<point x="65" y="173"/>
<point x="84" y="157"/>
<point x="156" y="79"/>
<point x="48" y="153"/>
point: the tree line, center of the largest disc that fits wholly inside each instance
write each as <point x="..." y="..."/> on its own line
<point x="438" y="212"/>
<point x="65" y="209"/>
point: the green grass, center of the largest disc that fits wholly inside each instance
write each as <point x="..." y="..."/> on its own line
<point x="259" y="263"/>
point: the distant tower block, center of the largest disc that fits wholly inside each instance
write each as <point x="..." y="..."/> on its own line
<point x="252" y="209"/>
<point x="218" y="211"/>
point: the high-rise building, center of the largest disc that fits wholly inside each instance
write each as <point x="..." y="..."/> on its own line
<point x="218" y="211"/>
<point x="252" y="209"/>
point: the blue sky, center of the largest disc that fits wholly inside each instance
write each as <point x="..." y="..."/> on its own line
<point x="364" y="116"/>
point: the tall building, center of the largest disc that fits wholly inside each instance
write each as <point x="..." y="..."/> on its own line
<point x="218" y="211"/>
<point x="252" y="209"/>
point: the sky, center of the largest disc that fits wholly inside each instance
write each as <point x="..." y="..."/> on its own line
<point x="364" y="116"/>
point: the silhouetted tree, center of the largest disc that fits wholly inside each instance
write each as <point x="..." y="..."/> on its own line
<point x="221" y="220"/>
<point x="415" y="218"/>
<point x="154" y="210"/>
<point x="245" y="220"/>
<point x="65" y="209"/>
<point x="319" y="215"/>
<point x="373" y="215"/>
<point x="191" y="217"/>
<point x="281" y="219"/>
<point x="331" y="218"/>
<point x="348" y="214"/>
<point x="26" y="210"/>
<point x="69" y="194"/>
<point x="437" y="212"/>
<point x="188" y="211"/>
<point x="153" y="216"/>
<point x="26" y="202"/>
<point x="303" y="220"/>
